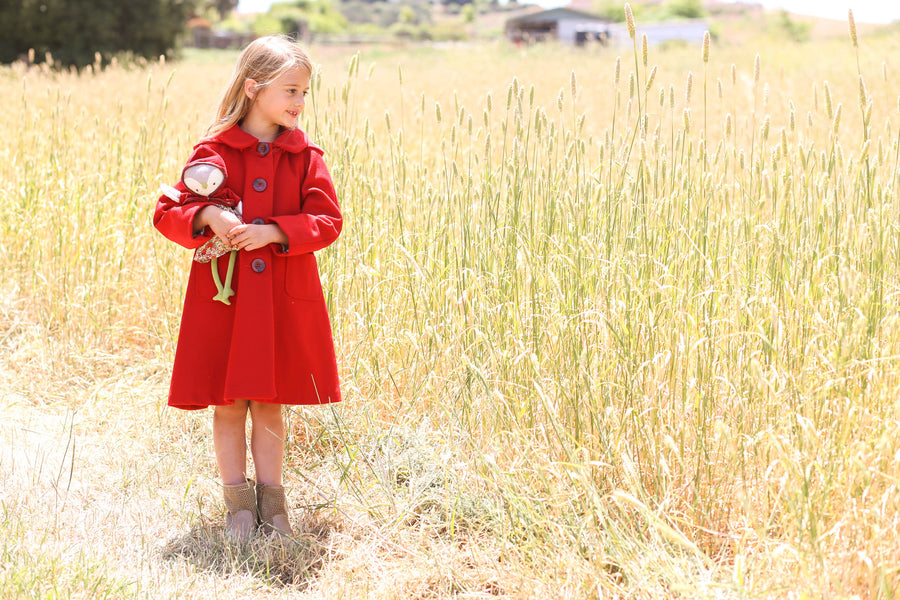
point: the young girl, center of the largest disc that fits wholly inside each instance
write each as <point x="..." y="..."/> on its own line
<point x="272" y="344"/>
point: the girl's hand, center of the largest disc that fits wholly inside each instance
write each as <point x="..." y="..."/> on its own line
<point x="249" y="236"/>
<point x="219" y="220"/>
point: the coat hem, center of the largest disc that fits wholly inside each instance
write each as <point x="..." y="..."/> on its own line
<point x="259" y="400"/>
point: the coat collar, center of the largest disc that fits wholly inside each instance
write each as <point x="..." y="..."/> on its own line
<point x="294" y="140"/>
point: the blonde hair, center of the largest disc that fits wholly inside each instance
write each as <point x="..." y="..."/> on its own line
<point x="263" y="60"/>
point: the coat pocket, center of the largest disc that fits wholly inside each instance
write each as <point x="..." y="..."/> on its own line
<point x="202" y="284"/>
<point x="301" y="277"/>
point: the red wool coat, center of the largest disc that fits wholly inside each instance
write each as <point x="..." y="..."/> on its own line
<point x="273" y="344"/>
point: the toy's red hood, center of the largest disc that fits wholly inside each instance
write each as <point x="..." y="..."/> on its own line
<point x="206" y="156"/>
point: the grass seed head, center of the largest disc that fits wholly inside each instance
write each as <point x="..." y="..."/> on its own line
<point x="836" y="122"/>
<point x="863" y="95"/>
<point x="437" y="111"/>
<point x="829" y="110"/>
<point x="756" y="70"/>
<point x="644" y="51"/>
<point x="851" y="22"/>
<point x="705" y="53"/>
<point x="728" y="125"/>
<point x="687" y="87"/>
<point x="733" y="74"/>
<point x="629" y="20"/>
<point x="650" y="78"/>
<point x="618" y="69"/>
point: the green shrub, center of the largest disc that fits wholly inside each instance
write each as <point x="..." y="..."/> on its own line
<point x="73" y="33"/>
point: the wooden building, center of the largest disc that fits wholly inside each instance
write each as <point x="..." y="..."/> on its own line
<point x="565" y="25"/>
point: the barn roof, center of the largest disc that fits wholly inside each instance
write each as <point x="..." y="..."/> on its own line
<point x="554" y="14"/>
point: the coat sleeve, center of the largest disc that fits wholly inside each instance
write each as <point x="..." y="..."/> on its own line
<point x="175" y="220"/>
<point x="319" y="222"/>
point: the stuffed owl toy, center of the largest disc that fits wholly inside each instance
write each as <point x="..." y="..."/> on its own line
<point x="203" y="177"/>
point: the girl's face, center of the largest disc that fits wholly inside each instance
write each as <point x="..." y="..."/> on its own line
<point x="279" y="103"/>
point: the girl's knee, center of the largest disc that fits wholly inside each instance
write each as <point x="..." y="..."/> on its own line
<point x="267" y="413"/>
<point x="230" y="412"/>
<point x="265" y="408"/>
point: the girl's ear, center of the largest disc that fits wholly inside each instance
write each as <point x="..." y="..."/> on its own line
<point x="250" y="87"/>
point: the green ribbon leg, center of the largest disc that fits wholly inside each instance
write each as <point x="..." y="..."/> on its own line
<point x="225" y="291"/>
<point x="214" y="265"/>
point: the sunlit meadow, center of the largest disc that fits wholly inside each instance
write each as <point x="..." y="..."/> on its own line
<point x="618" y="322"/>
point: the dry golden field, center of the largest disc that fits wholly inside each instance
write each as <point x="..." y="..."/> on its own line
<point x="611" y="324"/>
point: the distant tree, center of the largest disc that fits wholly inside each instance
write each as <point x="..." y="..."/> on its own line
<point x="611" y="10"/>
<point x="796" y="31"/>
<point x="319" y="16"/>
<point x="222" y="8"/>
<point x="225" y="7"/>
<point x="468" y="13"/>
<point x="74" y="32"/>
<point x="687" y="9"/>
<point x="386" y="14"/>
<point x="614" y="11"/>
<point x="406" y="15"/>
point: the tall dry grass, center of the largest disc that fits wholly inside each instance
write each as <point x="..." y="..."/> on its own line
<point x="611" y="323"/>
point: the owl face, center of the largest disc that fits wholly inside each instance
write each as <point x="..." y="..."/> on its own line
<point x="203" y="179"/>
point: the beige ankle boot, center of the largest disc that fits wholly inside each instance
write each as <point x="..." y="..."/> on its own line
<point x="273" y="509"/>
<point x="241" y="519"/>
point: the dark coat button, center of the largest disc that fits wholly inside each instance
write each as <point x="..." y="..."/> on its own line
<point x="258" y="221"/>
<point x="262" y="148"/>
<point x="258" y="265"/>
<point x="260" y="184"/>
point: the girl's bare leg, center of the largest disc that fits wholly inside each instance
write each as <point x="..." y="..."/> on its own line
<point x="267" y="446"/>
<point x="230" y="441"/>
<point x="267" y="442"/>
